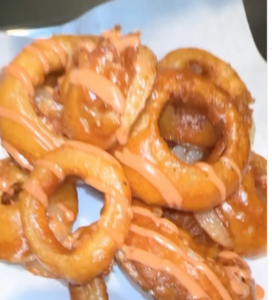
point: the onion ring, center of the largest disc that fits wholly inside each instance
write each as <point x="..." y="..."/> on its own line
<point x="157" y="176"/>
<point x="98" y="169"/>
<point x="190" y="125"/>
<point x="62" y="212"/>
<point x="119" y="81"/>
<point x="19" y="124"/>
<point x="164" y="264"/>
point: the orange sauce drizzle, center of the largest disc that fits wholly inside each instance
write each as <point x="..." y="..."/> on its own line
<point x="259" y="292"/>
<point x="239" y="287"/>
<point x="21" y="74"/>
<point x="164" y="265"/>
<point x="55" y="169"/>
<point x="214" y="178"/>
<point x="94" y="151"/>
<point x="237" y="272"/>
<point x="33" y="49"/>
<point x="19" y="158"/>
<point x="70" y="216"/>
<point x="158" y="221"/>
<point x="16" y="117"/>
<point x="36" y="191"/>
<point x="233" y="165"/>
<point x="153" y="174"/>
<point x="58" y="49"/>
<point x="101" y="86"/>
<point x="165" y="242"/>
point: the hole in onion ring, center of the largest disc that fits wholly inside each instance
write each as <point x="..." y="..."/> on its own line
<point x="189" y="134"/>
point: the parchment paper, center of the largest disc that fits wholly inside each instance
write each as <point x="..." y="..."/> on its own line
<point x="218" y="26"/>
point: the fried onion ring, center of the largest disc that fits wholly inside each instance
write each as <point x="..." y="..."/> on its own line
<point x="62" y="212"/>
<point x="164" y="264"/>
<point x="107" y="89"/>
<point x="157" y="176"/>
<point x="192" y="125"/>
<point x="20" y="126"/>
<point x="98" y="169"/>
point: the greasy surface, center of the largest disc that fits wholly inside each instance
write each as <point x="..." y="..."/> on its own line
<point x="163" y="286"/>
<point x="197" y="191"/>
<point x="85" y="116"/>
<point x="101" y="245"/>
<point x="66" y="195"/>
<point x="88" y="118"/>
<point x="14" y="96"/>
<point x="62" y="109"/>
<point x="96" y="290"/>
<point x="190" y="126"/>
<point x="245" y="213"/>
<point x="14" y="247"/>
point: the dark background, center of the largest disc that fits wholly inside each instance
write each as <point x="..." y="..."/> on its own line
<point x="41" y="13"/>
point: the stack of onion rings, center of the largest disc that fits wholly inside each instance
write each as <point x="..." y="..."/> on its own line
<point x="177" y="140"/>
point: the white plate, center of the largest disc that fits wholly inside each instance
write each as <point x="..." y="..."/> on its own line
<point x="218" y="26"/>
